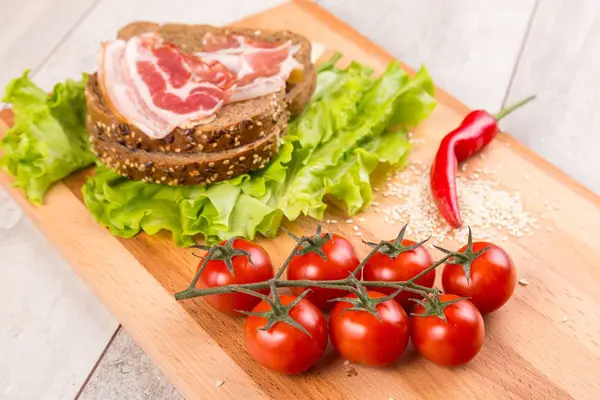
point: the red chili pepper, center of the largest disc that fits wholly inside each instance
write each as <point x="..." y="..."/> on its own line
<point x="475" y="132"/>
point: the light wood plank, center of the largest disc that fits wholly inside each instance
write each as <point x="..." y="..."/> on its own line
<point x="31" y="29"/>
<point x="126" y="372"/>
<point x="194" y="345"/>
<point x="138" y="304"/>
<point x="469" y="46"/>
<point x="69" y="58"/>
<point x="79" y="52"/>
<point x="52" y="329"/>
<point x="560" y="64"/>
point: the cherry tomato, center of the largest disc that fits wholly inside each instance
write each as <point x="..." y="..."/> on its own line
<point x="217" y="274"/>
<point x="284" y="348"/>
<point x="341" y="261"/>
<point x="492" y="279"/>
<point x="450" y="343"/>
<point x="405" y="266"/>
<point x="363" y="339"/>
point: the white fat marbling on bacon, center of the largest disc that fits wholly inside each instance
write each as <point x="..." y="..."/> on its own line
<point x="236" y="69"/>
<point x="132" y="99"/>
<point x="239" y="59"/>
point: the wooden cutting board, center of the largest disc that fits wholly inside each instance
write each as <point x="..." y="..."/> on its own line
<point x="545" y="343"/>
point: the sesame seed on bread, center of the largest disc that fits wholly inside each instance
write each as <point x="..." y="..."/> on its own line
<point x="191" y="168"/>
<point x="243" y="137"/>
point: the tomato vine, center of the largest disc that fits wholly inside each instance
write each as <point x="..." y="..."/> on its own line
<point x="351" y="284"/>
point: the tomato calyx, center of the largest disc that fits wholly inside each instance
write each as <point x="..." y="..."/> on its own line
<point x="224" y="253"/>
<point x="395" y="248"/>
<point x="466" y="257"/>
<point x="311" y="244"/>
<point x="279" y="312"/>
<point x="364" y="302"/>
<point x="434" y="306"/>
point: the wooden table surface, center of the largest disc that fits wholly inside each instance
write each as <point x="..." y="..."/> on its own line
<point x="483" y="52"/>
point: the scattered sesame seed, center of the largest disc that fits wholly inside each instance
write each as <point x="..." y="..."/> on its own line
<point x="358" y="234"/>
<point x="564" y="319"/>
<point x="219" y="383"/>
<point x="361" y="219"/>
<point x="523" y="282"/>
<point x="346" y="362"/>
<point x="356" y="228"/>
<point x="349" y="221"/>
<point x="491" y="212"/>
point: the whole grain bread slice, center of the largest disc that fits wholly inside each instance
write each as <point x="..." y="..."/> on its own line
<point x="236" y="124"/>
<point x="187" y="169"/>
<point x="234" y="127"/>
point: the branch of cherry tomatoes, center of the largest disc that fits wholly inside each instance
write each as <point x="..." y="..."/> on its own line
<point x="376" y="305"/>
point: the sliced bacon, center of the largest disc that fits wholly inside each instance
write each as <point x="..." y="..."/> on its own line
<point x="261" y="67"/>
<point x="157" y="87"/>
<point x="212" y="43"/>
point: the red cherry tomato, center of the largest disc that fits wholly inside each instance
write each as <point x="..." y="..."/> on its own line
<point x="284" y="348"/>
<point x="492" y="279"/>
<point x="341" y="261"/>
<point x="405" y="266"/>
<point x="217" y="274"/>
<point x="363" y="339"/>
<point x="450" y="343"/>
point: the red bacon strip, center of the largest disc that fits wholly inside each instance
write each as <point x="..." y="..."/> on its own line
<point x="261" y="67"/>
<point x="157" y="87"/>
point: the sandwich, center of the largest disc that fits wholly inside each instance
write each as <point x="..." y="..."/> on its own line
<point x="212" y="133"/>
<point x="195" y="104"/>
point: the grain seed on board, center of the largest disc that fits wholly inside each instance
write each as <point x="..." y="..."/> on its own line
<point x="487" y="209"/>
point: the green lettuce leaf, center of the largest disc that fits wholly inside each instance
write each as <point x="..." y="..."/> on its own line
<point x="217" y="212"/>
<point x="48" y="140"/>
<point x="375" y="110"/>
<point x="349" y="182"/>
<point x="331" y="152"/>
<point x="337" y="105"/>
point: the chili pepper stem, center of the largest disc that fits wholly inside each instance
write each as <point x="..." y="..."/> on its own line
<point x="505" y="111"/>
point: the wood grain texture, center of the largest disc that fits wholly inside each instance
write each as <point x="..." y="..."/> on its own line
<point x="529" y="352"/>
<point x="469" y="46"/>
<point x="110" y="15"/>
<point x="560" y="64"/>
<point x="126" y="372"/>
<point x="49" y="318"/>
<point x="32" y="29"/>
<point x="134" y="296"/>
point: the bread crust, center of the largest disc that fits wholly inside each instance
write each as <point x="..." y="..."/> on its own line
<point x="188" y="169"/>
<point x="243" y="137"/>
<point x="227" y="131"/>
